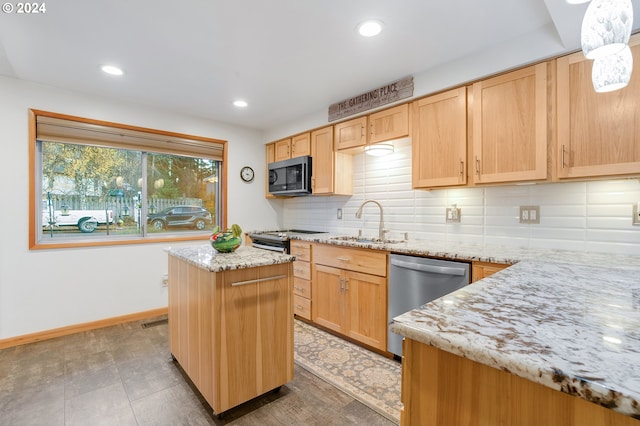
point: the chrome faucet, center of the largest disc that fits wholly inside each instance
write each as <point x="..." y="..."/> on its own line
<point x="382" y="231"/>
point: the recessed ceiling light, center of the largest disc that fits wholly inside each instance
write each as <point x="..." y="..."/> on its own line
<point x="240" y="103"/>
<point x="370" y="28"/>
<point x="110" y="69"/>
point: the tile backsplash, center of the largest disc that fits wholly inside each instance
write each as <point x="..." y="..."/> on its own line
<point x="585" y="216"/>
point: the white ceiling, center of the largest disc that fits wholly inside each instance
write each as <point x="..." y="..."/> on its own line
<point x="287" y="58"/>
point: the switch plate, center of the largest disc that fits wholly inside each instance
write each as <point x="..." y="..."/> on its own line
<point x="635" y="218"/>
<point x="530" y="214"/>
<point x="339" y="214"/>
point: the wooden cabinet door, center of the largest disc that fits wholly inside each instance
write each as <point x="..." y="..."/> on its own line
<point x="271" y="157"/>
<point x="510" y="126"/>
<point x="328" y="307"/>
<point x="301" y="145"/>
<point x="283" y="149"/>
<point x="322" y="165"/>
<point x="598" y="133"/>
<point x="257" y="305"/>
<point x="367" y="308"/>
<point x="351" y="134"/>
<point x="392" y="123"/>
<point x="439" y="139"/>
<point x="482" y="270"/>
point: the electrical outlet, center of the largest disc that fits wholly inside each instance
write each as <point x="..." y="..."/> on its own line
<point x="530" y="214"/>
<point x="165" y="280"/>
<point x="453" y="214"/>
<point x="339" y="214"/>
<point x="635" y="218"/>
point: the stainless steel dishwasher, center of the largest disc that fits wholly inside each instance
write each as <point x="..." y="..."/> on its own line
<point x="414" y="281"/>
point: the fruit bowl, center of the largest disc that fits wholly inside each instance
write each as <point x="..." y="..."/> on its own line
<point x="226" y="241"/>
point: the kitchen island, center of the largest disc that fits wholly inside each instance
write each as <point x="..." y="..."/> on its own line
<point x="231" y="321"/>
<point x="552" y="339"/>
<point x="541" y="342"/>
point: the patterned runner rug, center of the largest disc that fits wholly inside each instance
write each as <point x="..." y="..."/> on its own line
<point x="367" y="376"/>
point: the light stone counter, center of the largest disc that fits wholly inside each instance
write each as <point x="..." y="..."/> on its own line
<point x="566" y="320"/>
<point x="205" y="257"/>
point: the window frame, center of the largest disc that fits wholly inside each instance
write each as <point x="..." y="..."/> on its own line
<point x="35" y="199"/>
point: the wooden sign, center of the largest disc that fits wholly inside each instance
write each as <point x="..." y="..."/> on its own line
<point x="394" y="91"/>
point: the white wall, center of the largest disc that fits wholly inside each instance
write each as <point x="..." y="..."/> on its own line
<point x="45" y="289"/>
<point x="582" y="216"/>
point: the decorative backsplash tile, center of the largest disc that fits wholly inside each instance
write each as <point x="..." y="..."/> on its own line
<point x="583" y="216"/>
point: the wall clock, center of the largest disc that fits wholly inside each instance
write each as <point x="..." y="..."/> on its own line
<point x="247" y="174"/>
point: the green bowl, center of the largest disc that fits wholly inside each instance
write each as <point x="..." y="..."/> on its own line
<point x="226" y="243"/>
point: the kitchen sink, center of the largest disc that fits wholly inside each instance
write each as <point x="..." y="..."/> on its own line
<point x="366" y="240"/>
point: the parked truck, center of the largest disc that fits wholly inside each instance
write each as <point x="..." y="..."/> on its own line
<point x="85" y="220"/>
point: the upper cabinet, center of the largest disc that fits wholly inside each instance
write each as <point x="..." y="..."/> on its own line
<point x="509" y="122"/>
<point x="351" y="134"/>
<point x="296" y="146"/>
<point x="331" y="171"/>
<point x="598" y="133"/>
<point x="389" y="124"/>
<point x="393" y="123"/>
<point x="439" y="139"/>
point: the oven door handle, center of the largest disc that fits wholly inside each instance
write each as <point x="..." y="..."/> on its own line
<point x="268" y="247"/>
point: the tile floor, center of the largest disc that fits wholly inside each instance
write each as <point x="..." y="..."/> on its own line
<point x="124" y="375"/>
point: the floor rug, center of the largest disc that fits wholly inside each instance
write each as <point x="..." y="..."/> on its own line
<point x="367" y="376"/>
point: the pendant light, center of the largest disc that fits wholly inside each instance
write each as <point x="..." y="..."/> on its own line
<point x="612" y="72"/>
<point x="606" y="27"/>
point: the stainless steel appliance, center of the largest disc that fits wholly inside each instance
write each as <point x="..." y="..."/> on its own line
<point x="290" y="177"/>
<point x="276" y="240"/>
<point x="414" y="281"/>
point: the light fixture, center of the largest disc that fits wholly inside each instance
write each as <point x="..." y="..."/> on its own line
<point x="240" y="103"/>
<point x="112" y="70"/>
<point x="606" y="27"/>
<point x="370" y="28"/>
<point x="379" y="149"/>
<point x="612" y="72"/>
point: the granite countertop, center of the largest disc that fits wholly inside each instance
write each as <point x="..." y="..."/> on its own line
<point x="205" y="257"/>
<point x="567" y="320"/>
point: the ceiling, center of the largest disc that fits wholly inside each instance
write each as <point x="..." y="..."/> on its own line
<point x="286" y="58"/>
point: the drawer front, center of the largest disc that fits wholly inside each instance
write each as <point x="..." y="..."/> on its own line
<point x="301" y="250"/>
<point x="353" y="259"/>
<point x="302" y="287"/>
<point x="302" y="306"/>
<point x="302" y="270"/>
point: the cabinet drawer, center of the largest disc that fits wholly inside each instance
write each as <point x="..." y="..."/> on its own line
<point x="302" y="270"/>
<point x="302" y="306"/>
<point x="301" y="250"/>
<point x="353" y="259"/>
<point x="302" y="287"/>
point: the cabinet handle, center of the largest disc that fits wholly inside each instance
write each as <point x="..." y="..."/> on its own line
<point x="461" y="168"/>
<point x="300" y="289"/>
<point x="346" y="284"/>
<point x="259" y="280"/>
<point x="563" y="156"/>
<point x="362" y="132"/>
<point x="342" y="259"/>
<point x="300" y="307"/>
<point x="477" y="166"/>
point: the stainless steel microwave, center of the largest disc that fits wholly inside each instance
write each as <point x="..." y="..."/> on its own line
<point x="290" y="177"/>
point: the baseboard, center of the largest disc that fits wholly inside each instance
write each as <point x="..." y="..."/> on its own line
<point x="78" y="328"/>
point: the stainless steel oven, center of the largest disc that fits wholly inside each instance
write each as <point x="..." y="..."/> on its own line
<point x="276" y="240"/>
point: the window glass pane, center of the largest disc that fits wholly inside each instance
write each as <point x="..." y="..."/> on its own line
<point x="89" y="192"/>
<point x="182" y="194"/>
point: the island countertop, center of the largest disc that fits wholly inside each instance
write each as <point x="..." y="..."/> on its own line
<point x="205" y="257"/>
<point x="566" y="320"/>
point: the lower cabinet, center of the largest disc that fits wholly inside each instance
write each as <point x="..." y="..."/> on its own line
<point x="231" y="331"/>
<point x="301" y="278"/>
<point x="480" y="270"/>
<point x="347" y="301"/>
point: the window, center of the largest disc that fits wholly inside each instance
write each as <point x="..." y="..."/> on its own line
<point x="98" y="183"/>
